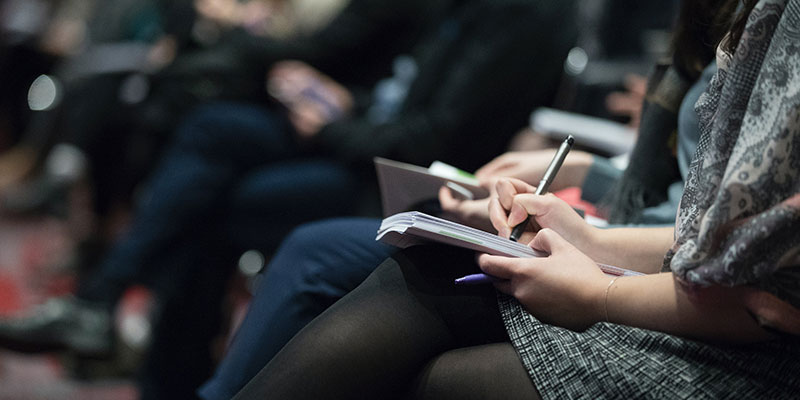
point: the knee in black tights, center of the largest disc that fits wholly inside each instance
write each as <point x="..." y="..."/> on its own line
<point x="492" y="371"/>
<point x="376" y="340"/>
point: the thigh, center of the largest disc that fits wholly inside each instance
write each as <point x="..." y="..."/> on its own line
<point x="492" y="371"/>
<point x="273" y="199"/>
<point x="325" y="250"/>
<point x="317" y="264"/>
<point x="241" y="133"/>
<point x="373" y="342"/>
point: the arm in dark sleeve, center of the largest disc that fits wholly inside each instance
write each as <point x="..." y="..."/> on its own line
<point x="464" y="113"/>
<point x="363" y="34"/>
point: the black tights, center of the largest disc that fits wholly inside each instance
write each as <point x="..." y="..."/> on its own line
<point x="407" y="331"/>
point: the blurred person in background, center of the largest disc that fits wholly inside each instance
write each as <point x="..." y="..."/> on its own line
<point x="128" y="72"/>
<point x="476" y="74"/>
<point x="365" y="33"/>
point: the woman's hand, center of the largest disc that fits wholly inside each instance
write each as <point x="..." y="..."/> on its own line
<point x="474" y="213"/>
<point x="565" y="288"/>
<point x="639" y="249"/>
<point x="530" y="166"/>
<point x="525" y="165"/>
<point x="515" y="200"/>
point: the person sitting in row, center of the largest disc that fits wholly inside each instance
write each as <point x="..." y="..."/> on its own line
<point x="225" y="184"/>
<point x="320" y="262"/>
<point x="716" y="317"/>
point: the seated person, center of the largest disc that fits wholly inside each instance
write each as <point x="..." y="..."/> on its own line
<point x="717" y="317"/>
<point x="225" y="184"/>
<point x="321" y="262"/>
<point x="104" y="134"/>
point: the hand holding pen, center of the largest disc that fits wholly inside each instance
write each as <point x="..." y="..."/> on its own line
<point x="547" y="179"/>
<point x="507" y="190"/>
<point x="511" y="206"/>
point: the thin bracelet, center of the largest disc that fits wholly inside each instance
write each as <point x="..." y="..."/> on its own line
<point x="605" y="303"/>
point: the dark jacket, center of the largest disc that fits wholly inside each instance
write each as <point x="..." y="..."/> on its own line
<point x="481" y="72"/>
<point x="356" y="49"/>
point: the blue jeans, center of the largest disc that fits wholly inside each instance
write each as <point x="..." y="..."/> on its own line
<point x="315" y="266"/>
<point x="233" y="179"/>
<point x="233" y="169"/>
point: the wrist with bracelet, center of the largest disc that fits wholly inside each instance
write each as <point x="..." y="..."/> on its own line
<point x="605" y="301"/>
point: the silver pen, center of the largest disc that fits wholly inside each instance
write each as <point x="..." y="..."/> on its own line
<point x="547" y="179"/>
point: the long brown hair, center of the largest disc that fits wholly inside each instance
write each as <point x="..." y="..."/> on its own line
<point x="737" y="27"/>
<point x="700" y="27"/>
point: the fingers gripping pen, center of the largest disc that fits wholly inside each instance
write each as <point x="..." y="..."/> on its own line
<point x="547" y="179"/>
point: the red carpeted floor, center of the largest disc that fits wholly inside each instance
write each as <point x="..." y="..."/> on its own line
<point x="32" y="268"/>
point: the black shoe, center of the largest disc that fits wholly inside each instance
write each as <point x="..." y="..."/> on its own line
<point x="62" y="323"/>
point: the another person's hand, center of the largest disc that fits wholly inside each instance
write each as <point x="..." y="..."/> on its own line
<point x="530" y="166"/>
<point x="565" y="288"/>
<point x="629" y="103"/>
<point x="527" y="139"/>
<point x="515" y="200"/>
<point x="312" y="99"/>
<point x="474" y="213"/>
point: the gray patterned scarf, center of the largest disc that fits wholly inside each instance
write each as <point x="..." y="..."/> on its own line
<point x="739" y="221"/>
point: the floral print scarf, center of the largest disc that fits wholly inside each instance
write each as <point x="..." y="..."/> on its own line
<point x="739" y="220"/>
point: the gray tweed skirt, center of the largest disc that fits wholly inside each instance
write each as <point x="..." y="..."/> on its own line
<point x="610" y="361"/>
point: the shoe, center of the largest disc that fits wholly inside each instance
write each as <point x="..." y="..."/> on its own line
<point x="64" y="323"/>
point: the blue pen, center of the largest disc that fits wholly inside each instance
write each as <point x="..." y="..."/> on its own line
<point x="475" y="279"/>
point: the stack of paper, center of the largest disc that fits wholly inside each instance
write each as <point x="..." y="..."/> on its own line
<point x="405" y="229"/>
<point x="412" y="228"/>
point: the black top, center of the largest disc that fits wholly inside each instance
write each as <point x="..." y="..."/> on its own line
<point x="481" y="72"/>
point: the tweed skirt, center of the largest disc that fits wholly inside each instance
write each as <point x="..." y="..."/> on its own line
<point x="619" y="362"/>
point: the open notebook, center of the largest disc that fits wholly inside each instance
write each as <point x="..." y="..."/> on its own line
<point x="413" y="227"/>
